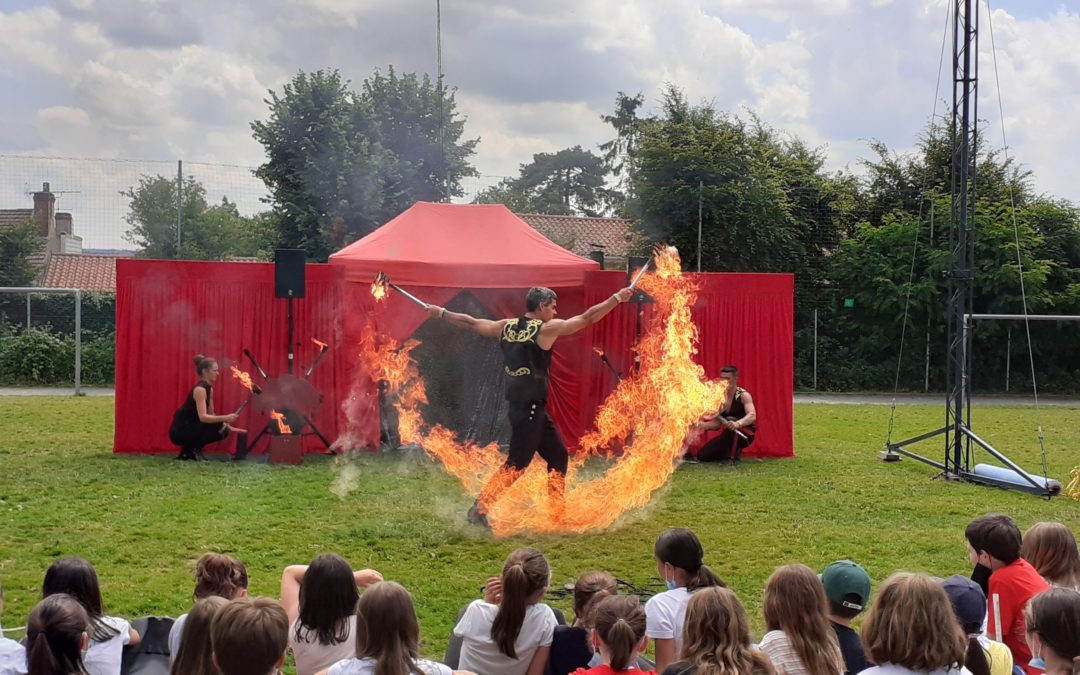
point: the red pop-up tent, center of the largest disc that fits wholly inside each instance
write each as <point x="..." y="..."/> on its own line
<point x="436" y="251"/>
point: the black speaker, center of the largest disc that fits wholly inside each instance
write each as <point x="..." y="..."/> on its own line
<point x="288" y="273"/>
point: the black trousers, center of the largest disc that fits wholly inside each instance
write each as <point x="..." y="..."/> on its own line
<point x="194" y="438"/>
<point x="726" y="446"/>
<point x="531" y="432"/>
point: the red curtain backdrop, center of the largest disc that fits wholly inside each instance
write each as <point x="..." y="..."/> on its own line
<point x="743" y="319"/>
<point x="168" y="311"/>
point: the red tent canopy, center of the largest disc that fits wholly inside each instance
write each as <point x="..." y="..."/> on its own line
<point x="462" y="246"/>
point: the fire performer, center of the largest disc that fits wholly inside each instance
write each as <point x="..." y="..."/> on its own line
<point x="737" y="417"/>
<point x="194" y="424"/>
<point x="526" y="344"/>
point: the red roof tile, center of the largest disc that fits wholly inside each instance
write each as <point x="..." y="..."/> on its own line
<point x="78" y="270"/>
<point x="616" y="236"/>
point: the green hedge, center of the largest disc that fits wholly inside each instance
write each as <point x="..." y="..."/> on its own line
<point x="39" y="357"/>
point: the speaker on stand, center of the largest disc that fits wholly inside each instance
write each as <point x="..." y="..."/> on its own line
<point x="289" y="283"/>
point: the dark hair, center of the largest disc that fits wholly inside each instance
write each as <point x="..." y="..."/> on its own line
<point x="996" y="534"/>
<point x="836" y="609"/>
<point x="1054" y="615"/>
<point x="586" y="589"/>
<point x="387" y="629"/>
<point x="619" y="620"/>
<point x="195" y="656"/>
<point x="681" y="548"/>
<point x="537" y="297"/>
<point x="54" y="634"/>
<point x="526" y="571"/>
<point x="730" y="369"/>
<point x="328" y="596"/>
<point x="77" y="578"/>
<point x="219" y="574"/>
<point x="249" y="638"/>
<point x="203" y="363"/>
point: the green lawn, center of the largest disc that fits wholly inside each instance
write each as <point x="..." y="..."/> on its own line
<point x="142" y="521"/>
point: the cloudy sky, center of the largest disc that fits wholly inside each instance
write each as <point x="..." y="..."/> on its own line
<point x="161" y="80"/>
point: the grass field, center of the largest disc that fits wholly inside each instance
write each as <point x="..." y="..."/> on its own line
<point x="142" y="520"/>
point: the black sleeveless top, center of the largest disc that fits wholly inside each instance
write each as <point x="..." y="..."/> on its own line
<point x="526" y="363"/>
<point x="187" y="415"/>
<point x="737" y="411"/>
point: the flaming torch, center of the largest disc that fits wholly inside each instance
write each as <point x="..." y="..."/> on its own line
<point x="382" y="282"/>
<point x="245" y="379"/>
<point x="607" y="362"/>
<point x="323" y="348"/>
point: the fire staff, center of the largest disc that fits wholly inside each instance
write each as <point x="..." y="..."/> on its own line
<point x="194" y="424"/>
<point x="526" y="344"/>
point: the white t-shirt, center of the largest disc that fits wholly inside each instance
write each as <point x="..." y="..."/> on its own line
<point x="313" y="657"/>
<point x="175" y="633"/>
<point x="103" y="658"/>
<point x="481" y="655"/>
<point x="12" y="657"/>
<point x="664" y="617"/>
<point x="893" y="669"/>
<point x="366" y="666"/>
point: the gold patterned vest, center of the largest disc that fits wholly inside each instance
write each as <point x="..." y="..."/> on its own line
<point x="526" y="364"/>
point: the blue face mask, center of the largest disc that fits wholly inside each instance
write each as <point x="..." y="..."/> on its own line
<point x="670" y="584"/>
<point x="1037" y="662"/>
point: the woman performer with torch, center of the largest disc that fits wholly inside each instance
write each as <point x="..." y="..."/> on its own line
<point x="194" y="423"/>
<point x="526" y="344"/>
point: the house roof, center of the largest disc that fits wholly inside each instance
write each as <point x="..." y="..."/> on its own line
<point x="79" y="270"/>
<point x="9" y="217"/>
<point x="615" y="236"/>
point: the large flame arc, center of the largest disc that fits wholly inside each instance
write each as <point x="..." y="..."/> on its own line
<point x="640" y="427"/>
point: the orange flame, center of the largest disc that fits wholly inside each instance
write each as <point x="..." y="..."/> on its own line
<point x="648" y="416"/>
<point x="379" y="287"/>
<point x="321" y="344"/>
<point x="599" y="352"/>
<point x="280" y="418"/>
<point x="245" y="379"/>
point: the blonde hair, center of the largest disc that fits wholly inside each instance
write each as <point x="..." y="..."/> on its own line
<point x="912" y="624"/>
<point x="1050" y="547"/>
<point x="195" y="654"/>
<point x="716" y="636"/>
<point x="795" y="603"/>
<point x="387" y="629"/>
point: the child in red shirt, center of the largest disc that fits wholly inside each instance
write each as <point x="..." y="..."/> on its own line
<point x="994" y="543"/>
<point x="619" y="635"/>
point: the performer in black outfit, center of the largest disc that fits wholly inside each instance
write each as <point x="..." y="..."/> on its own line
<point x="194" y="424"/>
<point x="526" y="345"/>
<point x="737" y="418"/>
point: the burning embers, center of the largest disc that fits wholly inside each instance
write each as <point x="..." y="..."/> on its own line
<point x="640" y="427"/>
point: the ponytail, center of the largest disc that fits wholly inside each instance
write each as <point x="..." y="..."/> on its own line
<point x="54" y="635"/>
<point x="703" y="577"/>
<point x="202" y="363"/>
<point x="526" y="571"/>
<point x="976" y="660"/>
<point x="619" y="621"/>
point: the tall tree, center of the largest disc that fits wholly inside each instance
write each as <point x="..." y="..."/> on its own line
<point x="620" y="152"/>
<point x="17" y="243"/>
<point x="571" y="181"/>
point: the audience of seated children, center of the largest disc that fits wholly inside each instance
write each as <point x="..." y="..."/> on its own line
<point x="320" y="601"/>
<point x="108" y="634"/>
<point x="387" y="637"/>
<point x="570" y="647"/>
<point x="911" y="629"/>
<point x="215" y="574"/>
<point x="716" y="638"/>
<point x="680" y="563"/>
<point x="57" y="635"/>
<point x="994" y="543"/>
<point x="984" y="656"/>
<point x="800" y="640"/>
<point x="1050" y="547"/>
<point x="618" y="635"/>
<point x="196" y="655"/>
<point x="249" y="637"/>
<point x="1053" y="631"/>
<point x="847" y="586"/>
<point x="511" y="636"/>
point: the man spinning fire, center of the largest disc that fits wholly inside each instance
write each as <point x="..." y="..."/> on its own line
<point x="526" y="344"/>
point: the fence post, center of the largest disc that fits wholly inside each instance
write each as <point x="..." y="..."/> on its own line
<point x="815" y="350"/>
<point x="28" y="312"/>
<point x="78" y="342"/>
<point x="179" y="201"/>
<point x="1008" y="355"/>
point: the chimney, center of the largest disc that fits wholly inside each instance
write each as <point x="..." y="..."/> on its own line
<point x="45" y="212"/>
<point x="64" y="224"/>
